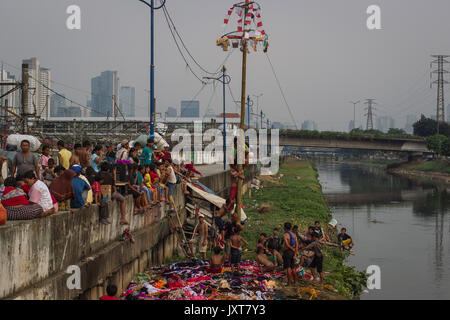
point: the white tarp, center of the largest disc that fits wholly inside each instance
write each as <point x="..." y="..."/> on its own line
<point x="214" y="199"/>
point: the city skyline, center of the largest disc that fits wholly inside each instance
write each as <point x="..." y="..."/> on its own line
<point x="326" y="33"/>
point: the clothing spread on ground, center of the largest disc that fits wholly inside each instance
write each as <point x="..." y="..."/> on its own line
<point x="196" y="280"/>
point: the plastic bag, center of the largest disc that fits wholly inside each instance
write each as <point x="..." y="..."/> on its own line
<point x="16" y="140"/>
<point x="2" y="215"/>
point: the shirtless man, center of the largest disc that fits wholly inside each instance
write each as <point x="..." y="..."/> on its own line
<point x="261" y="258"/>
<point x="203" y="230"/>
<point x="290" y="251"/>
<point x="216" y="261"/>
<point x="236" y="248"/>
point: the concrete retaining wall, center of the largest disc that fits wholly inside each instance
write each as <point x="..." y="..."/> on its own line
<point x="35" y="255"/>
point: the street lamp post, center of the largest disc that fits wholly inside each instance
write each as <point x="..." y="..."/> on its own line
<point x="152" y="6"/>
<point x="257" y="105"/>
<point x="354" y="112"/>
<point x="225" y="80"/>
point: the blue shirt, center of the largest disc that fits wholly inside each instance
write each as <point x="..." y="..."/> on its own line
<point x="78" y="185"/>
<point x="148" y="155"/>
<point x="94" y="164"/>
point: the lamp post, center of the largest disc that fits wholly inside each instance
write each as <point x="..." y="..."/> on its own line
<point x="354" y="112"/>
<point x="224" y="79"/>
<point x="257" y="105"/>
<point x="152" y="7"/>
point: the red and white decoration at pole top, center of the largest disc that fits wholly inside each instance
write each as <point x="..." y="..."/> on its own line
<point x="250" y="27"/>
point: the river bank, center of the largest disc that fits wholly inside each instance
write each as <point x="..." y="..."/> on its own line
<point x="295" y="195"/>
<point x="428" y="171"/>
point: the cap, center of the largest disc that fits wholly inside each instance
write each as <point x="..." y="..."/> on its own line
<point x="76" y="168"/>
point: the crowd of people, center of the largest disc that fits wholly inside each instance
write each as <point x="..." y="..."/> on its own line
<point x="290" y="253"/>
<point x="41" y="185"/>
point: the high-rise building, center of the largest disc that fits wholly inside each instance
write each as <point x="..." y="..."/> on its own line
<point x="410" y="120"/>
<point x="57" y="106"/>
<point x="13" y="98"/>
<point x="171" y="112"/>
<point x="385" y="123"/>
<point x="278" y="125"/>
<point x="309" y="125"/>
<point x="40" y="81"/>
<point x="351" y="125"/>
<point x="104" y="88"/>
<point x="127" y="101"/>
<point x="190" y="109"/>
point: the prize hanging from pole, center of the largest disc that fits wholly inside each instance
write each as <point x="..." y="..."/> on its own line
<point x="249" y="27"/>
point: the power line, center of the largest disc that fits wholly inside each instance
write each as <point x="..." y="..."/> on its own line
<point x="184" y="45"/>
<point x="179" y="49"/>
<point x="281" y="90"/>
<point x="65" y="98"/>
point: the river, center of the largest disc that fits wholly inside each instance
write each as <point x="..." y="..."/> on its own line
<point x="399" y="225"/>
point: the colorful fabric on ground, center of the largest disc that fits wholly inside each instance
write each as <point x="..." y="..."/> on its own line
<point x="192" y="280"/>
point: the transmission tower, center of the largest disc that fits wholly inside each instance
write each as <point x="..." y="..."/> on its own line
<point x="440" y="60"/>
<point x="370" y="107"/>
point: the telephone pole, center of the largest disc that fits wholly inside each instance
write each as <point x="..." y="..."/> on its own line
<point x="25" y="87"/>
<point x="440" y="60"/>
<point x="370" y="107"/>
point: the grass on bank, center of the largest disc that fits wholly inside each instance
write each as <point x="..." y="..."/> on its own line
<point x="297" y="198"/>
<point x="442" y="166"/>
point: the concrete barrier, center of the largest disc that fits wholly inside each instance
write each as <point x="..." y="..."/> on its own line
<point x="35" y="255"/>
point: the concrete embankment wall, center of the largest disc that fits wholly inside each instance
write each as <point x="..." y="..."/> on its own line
<point x="35" y="255"/>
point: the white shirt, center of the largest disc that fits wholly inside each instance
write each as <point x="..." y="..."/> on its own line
<point x="172" y="178"/>
<point x="40" y="194"/>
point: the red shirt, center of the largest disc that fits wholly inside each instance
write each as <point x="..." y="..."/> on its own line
<point x="153" y="175"/>
<point x="108" y="298"/>
<point x="190" y="168"/>
<point x="16" y="201"/>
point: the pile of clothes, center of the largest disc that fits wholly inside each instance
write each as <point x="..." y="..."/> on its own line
<point x="191" y="280"/>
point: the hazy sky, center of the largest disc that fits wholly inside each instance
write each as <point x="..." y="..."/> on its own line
<point x="322" y="50"/>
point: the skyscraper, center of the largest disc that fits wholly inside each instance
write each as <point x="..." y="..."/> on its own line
<point x="40" y="80"/>
<point x="127" y="101"/>
<point x="309" y="125"/>
<point x="13" y="98"/>
<point x="57" y="106"/>
<point x="410" y="120"/>
<point x="385" y="123"/>
<point x="190" y="109"/>
<point x="104" y="88"/>
<point x="171" y="112"/>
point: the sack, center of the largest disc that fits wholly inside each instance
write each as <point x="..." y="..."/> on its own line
<point x="3" y="215"/>
<point x="16" y="140"/>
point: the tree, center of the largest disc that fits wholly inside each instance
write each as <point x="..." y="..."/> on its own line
<point x="439" y="143"/>
<point x="397" y="131"/>
<point x="426" y="127"/>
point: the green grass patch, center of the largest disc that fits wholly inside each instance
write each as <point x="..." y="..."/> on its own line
<point x="442" y="166"/>
<point x="297" y="198"/>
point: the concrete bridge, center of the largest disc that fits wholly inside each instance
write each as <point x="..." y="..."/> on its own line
<point x="365" y="143"/>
